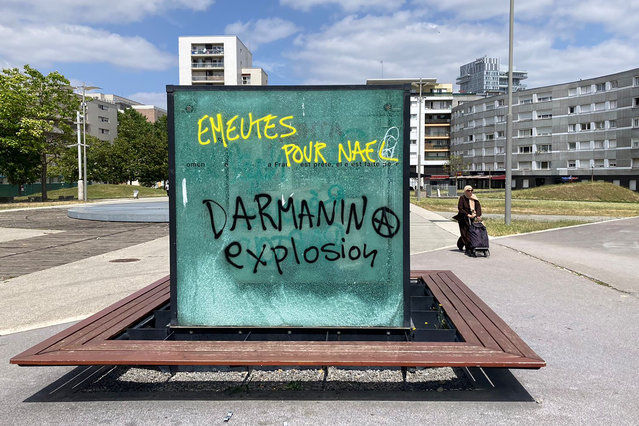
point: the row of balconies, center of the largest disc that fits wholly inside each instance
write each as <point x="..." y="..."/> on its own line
<point x="205" y="65"/>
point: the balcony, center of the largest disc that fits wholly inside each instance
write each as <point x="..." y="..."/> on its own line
<point x="217" y="78"/>
<point x="435" y="147"/>
<point x="213" y="51"/>
<point x="207" y="65"/>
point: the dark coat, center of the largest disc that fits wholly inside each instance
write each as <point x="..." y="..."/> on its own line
<point x="463" y="208"/>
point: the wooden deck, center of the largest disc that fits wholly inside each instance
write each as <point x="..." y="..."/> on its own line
<point x="487" y="340"/>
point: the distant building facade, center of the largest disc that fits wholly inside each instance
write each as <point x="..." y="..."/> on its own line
<point x="586" y="129"/>
<point x="150" y="112"/>
<point x="484" y="76"/>
<point x="217" y="60"/>
<point x="430" y="130"/>
<point x="102" y="114"/>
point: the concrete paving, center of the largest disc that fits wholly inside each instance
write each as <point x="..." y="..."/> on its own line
<point x="547" y="286"/>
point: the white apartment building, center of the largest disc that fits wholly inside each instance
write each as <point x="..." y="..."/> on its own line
<point x="217" y="60"/>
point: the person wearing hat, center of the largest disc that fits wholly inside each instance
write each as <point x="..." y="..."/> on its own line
<point x="469" y="209"/>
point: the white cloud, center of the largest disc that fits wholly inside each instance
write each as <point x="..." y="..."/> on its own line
<point x="91" y="11"/>
<point x="416" y="45"/>
<point x="45" y="45"/>
<point x="346" y="5"/>
<point x="350" y="50"/>
<point x="262" y="31"/>
<point x="149" y="98"/>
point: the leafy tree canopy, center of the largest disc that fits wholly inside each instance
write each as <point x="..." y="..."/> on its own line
<point x="36" y="116"/>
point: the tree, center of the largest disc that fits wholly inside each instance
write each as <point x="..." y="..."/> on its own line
<point x="455" y="165"/>
<point x="36" y="117"/>
<point x="141" y="148"/>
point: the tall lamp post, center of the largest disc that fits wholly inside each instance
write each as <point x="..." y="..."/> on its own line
<point x="82" y="141"/>
<point x="420" y="141"/>
<point x="509" y="119"/>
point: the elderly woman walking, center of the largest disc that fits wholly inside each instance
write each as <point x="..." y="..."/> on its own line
<point x="469" y="209"/>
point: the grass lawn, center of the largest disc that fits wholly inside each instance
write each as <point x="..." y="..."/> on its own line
<point x="576" y="199"/>
<point x="95" y="192"/>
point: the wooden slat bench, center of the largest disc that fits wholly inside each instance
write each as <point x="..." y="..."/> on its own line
<point x="487" y="340"/>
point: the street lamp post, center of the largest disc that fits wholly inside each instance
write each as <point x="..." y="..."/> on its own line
<point x="420" y="141"/>
<point x="509" y="120"/>
<point x="80" y="181"/>
<point x="82" y="194"/>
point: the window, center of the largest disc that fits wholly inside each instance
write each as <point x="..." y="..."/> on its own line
<point x="572" y="164"/>
<point x="612" y="124"/>
<point x="544" y="131"/>
<point x="584" y="146"/>
<point x="612" y="143"/>
<point x="600" y="125"/>
<point x="635" y="102"/>
<point x="601" y="87"/>
<point x="525" y="115"/>
<point x="104" y="131"/>
<point x="103" y="119"/>
<point x="525" y="132"/>
<point x="584" y="90"/>
<point x="572" y="146"/>
<point x="635" y="81"/>
<point x="500" y="118"/>
<point x="612" y="162"/>
<point x="614" y="84"/>
<point x="584" y="108"/>
<point x="600" y="106"/>
<point x="572" y="92"/>
<point x="103" y="107"/>
<point x="471" y="123"/>
<point x="599" y="144"/>
<point x="500" y="133"/>
<point x="499" y="150"/>
<point x="543" y="165"/>
<point x="572" y="127"/>
<point x="525" y="149"/>
<point x="500" y="165"/>
<point x="634" y="142"/>
<point x="470" y="138"/>
<point x="586" y="126"/>
<point x="612" y="104"/>
<point x="635" y="122"/>
<point x="544" y="148"/>
<point x="246" y="79"/>
<point x="490" y="136"/>
<point x="525" y="100"/>
<point x="541" y="115"/>
<point x="500" y="102"/>
<point x="524" y="165"/>
<point x="545" y="97"/>
<point x="598" y="163"/>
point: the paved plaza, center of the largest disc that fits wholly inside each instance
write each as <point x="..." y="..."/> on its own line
<point x="570" y="293"/>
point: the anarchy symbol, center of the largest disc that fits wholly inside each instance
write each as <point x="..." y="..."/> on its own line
<point x="385" y="222"/>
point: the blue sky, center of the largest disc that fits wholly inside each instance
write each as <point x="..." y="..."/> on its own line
<point x="129" y="47"/>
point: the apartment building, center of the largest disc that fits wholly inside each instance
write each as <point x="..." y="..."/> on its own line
<point x="485" y="76"/>
<point x="103" y="109"/>
<point x="217" y="60"/>
<point x="586" y="129"/>
<point x="429" y="131"/>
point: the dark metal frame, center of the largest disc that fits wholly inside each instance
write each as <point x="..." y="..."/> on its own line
<point x="172" y="89"/>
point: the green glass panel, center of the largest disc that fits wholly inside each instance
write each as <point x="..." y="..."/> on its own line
<point x="289" y="207"/>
